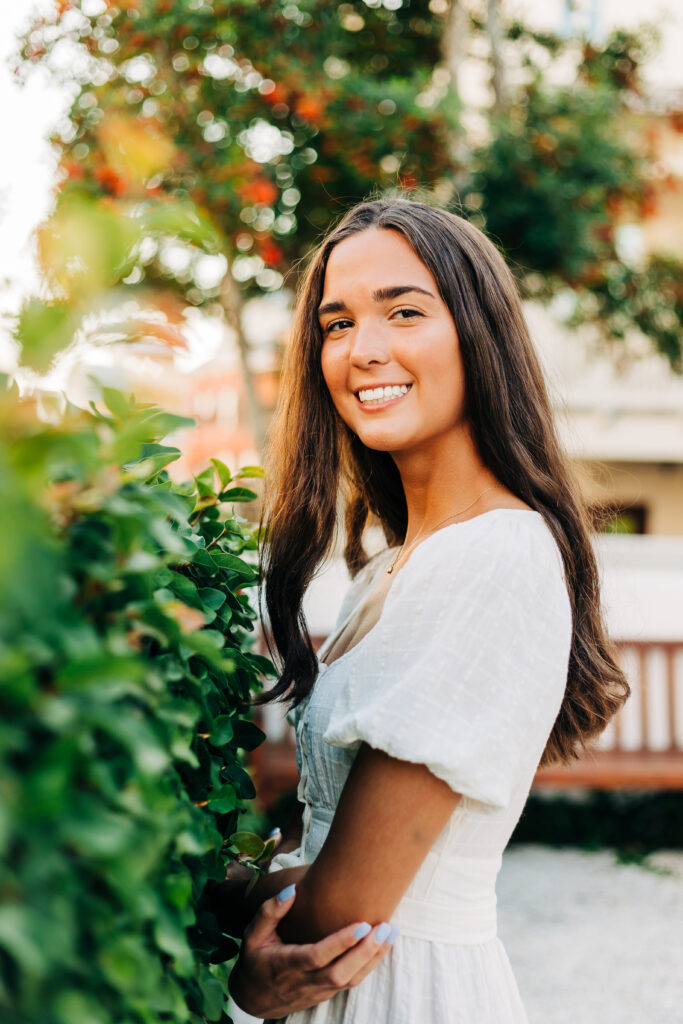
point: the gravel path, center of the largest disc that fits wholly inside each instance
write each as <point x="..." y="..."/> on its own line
<point x="593" y="941"/>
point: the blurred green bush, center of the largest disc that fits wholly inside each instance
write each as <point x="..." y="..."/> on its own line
<point x="125" y="628"/>
<point x="632" y="822"/>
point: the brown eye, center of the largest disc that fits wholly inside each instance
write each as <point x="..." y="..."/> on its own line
<point x="335" y="325"/>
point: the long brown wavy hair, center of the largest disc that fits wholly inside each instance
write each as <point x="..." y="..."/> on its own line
<point x="315" y="462"/>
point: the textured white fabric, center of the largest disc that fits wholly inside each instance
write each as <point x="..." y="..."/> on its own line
<point x="464" y="672"/>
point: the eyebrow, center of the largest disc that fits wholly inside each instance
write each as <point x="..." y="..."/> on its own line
<point x="381" y="295"/>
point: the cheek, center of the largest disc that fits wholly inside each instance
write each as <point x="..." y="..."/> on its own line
<point x="333" y="370"/>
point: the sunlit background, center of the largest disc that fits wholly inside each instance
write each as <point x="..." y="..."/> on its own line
<point x="199" y="149"/>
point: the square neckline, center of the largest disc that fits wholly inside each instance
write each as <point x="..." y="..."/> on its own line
<point x="329" y="642"/>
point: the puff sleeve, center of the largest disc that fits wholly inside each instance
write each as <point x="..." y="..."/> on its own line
<point x="467" y="666"/>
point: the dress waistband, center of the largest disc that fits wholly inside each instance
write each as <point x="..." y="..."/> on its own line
<point x="435" y="922"/>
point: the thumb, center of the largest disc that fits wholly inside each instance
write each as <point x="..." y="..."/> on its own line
<point x="262" y="928"/>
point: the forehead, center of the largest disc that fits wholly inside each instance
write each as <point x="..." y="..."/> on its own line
<point x="374" y="258"/>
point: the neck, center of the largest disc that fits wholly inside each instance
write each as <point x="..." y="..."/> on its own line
<point x="440" y="480"/>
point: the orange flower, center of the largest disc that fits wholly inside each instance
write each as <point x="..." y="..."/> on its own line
<point x="277" y="95"/>
<point x="270" y="253"/>
<point x="309" y="108"/>
<point x="260" y="190"/>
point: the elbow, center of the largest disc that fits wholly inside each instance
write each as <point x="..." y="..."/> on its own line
<point x="319" y="911"/>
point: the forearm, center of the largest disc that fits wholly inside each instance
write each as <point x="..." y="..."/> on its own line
<point x="234" y="907"/>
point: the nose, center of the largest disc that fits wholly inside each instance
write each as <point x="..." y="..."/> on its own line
<point x="369" y="345"/>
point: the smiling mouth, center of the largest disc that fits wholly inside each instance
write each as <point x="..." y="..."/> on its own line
<point x="371" y="397"/>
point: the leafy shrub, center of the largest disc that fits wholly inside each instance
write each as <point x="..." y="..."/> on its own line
<point x="125" y="628"/>
<point x="633" y="822"/>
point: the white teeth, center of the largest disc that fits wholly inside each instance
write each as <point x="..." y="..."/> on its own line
<point x="383" y="394"/>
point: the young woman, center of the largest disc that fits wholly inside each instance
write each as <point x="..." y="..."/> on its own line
<point x="468" y="651"/>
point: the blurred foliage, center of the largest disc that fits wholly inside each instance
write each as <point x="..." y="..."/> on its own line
<point x="125" y="627"/>
<point x="126" y="631"/>
<point x="562" y="170"/>
<point x="270" y="108"/>
<point x="634" y="823"/>
<point x="86" y="250"/>
<point x="275" y="117"/>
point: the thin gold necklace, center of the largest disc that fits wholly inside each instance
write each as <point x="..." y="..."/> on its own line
<point x="434" y="528"/>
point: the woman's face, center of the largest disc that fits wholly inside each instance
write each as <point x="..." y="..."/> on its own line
<point x="385" y="326"/>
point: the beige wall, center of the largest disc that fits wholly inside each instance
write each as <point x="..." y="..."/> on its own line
<point x="659" y="487"/>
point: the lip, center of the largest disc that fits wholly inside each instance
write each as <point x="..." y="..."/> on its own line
<point x="377" y="407"/>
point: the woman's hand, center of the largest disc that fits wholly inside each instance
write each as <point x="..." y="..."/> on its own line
<point x="272" y="979"/>
<point x="226" y="899"/>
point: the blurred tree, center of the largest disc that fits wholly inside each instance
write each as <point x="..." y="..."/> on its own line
<point x="562" y="168"/>
<point x="282" y="114"/>
<point x="271" y="107"/>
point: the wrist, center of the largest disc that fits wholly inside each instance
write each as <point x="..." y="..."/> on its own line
<point x="226" y="901"/>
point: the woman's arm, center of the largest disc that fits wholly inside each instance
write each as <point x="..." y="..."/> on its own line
<point x="234" y="907"/>
<point x="389" y="815"/>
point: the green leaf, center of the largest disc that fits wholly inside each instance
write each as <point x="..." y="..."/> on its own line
<point x="241" y="781"/>
<point x="205" y="484"/>
<point x="250" y="471"/>
<point x="232" y="562"/>
<point x="18" y="940"/>
<point x="152" y="459"/>
<point x="117" y="403"/>
<point x="171" y="936"/>
<point x="224" y="474"/>
<point x="247" y="735"/>
<point x="75" y="1007"/>
<point x="249" y="844"/>
<point x="181" y="220"/>
<point x="43" y="329"/>
<point x="212" y="598"/>
<point x="222" y="730"/>
<point x="223" y="800"/>
<point x="214" y="997"/>
<point x="185" y="589"/>
<point x="238" y="494"/>
<point x="263" y="664"/>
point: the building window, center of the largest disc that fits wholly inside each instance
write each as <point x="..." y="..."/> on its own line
<point x="613" y="517"/>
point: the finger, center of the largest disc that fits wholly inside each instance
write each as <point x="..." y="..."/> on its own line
<point x="262" y="927"/>
<point x="276" y="836"/>
<point x="370" y="966"/>
<point x="315" y="955"/>
<point x="361" y="959"/>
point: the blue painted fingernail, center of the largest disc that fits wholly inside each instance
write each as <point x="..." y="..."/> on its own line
<point x="274" y="833"/>
<point x="393" y="935"/>
<point x="286" y="894"/>
<point x="382" y="932"/>
<point x="362" y="930"/>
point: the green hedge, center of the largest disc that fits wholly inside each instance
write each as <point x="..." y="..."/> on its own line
<point x="634" y="823"/>
<point x="125" y="628"/>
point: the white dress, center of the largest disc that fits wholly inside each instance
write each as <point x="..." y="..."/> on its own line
<point x="464" y="672"/>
